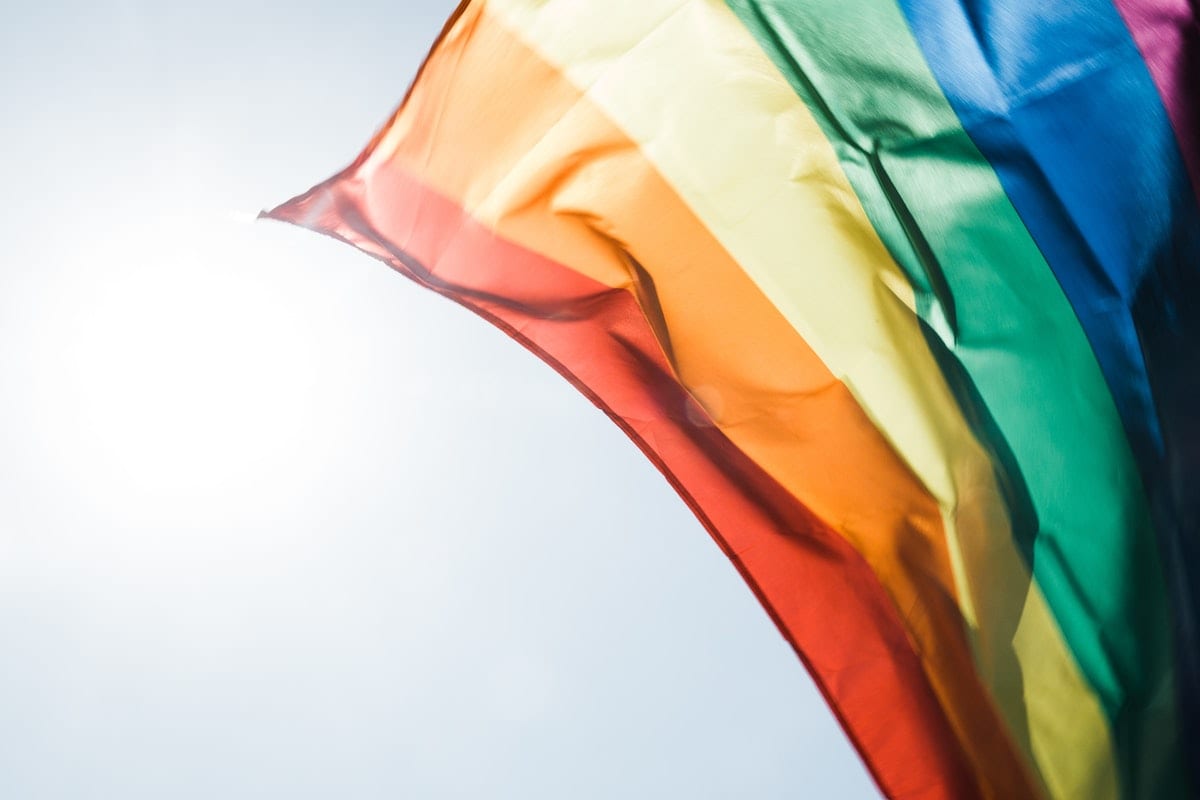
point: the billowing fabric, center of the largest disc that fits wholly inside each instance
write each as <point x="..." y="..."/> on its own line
<point x="901" y="296"/>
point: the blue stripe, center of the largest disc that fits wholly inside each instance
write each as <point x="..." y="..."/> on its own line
<point x="1057" y="97"/>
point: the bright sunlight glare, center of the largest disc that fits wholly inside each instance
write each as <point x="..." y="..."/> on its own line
<point x="176" y="380"/>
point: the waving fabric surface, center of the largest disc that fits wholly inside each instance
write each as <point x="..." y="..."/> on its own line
<point x="903" y="298"/>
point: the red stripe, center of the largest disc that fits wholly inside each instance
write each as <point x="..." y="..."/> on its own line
<point x="820" y="592"/>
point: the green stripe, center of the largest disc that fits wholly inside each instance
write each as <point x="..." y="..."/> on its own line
<point x="1008" y="341"/>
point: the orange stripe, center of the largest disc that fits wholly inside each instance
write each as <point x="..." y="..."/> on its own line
<point x="530" y="160"/>
<point x="820" y="592"/>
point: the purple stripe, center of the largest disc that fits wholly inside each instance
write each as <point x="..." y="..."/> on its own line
<point x="1167" y="33"/>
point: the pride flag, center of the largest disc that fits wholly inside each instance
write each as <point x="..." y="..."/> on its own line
<point x="901" y="296"/>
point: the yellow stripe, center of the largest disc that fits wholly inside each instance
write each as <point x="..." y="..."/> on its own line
<point x="730" y="136"/>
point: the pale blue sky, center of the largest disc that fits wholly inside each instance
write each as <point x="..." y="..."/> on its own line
<point x="276" y="523"/>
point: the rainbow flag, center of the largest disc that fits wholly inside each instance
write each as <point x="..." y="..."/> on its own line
<point x="901" y="296"/>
